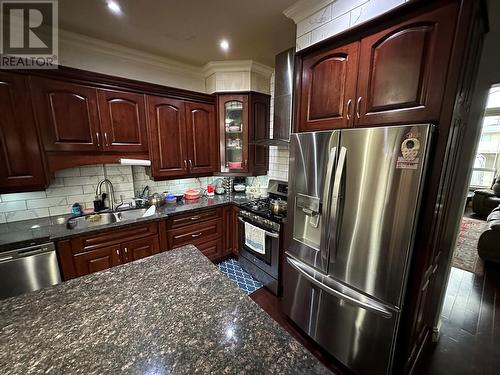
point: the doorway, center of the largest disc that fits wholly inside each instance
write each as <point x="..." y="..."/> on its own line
<point x="470" y="316"/>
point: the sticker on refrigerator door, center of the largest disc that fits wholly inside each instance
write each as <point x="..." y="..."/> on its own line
<point x="409" y="150"/>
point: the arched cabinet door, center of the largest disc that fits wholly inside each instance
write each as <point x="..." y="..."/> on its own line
<point x="201" y="137"/>
<point x="67" y="115"/>
<point x="123" y="121"/>
<point x="328" y="88"/>
<point x="402" y="70"/>
<point x="21" y="163"/>
<point x="167" y="137"/>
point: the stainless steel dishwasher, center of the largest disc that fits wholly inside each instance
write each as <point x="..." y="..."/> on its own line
<point x="27" y="269"/>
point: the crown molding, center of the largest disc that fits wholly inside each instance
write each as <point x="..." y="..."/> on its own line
<point x="305" y="8"/>
<point x="249" y="66"/>
<point x="122" y="52"/>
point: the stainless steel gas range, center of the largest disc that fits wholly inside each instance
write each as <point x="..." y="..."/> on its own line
<point x="263" y="262"/>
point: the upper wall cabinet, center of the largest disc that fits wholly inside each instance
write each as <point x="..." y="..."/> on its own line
<point x="167" y="137"/>
<point x="328" y="88"/>
<point x="201" y="137"/>
<point x="402" y="70"/>
<point x="243" y="119"/>
<point x="75" y="117"/>
<point x="123" y="121"/>
<point x="183" y="138"/>
<point x="67" y="114"/>
<point x="21" y="163"/>
<point x="393" y="76"/>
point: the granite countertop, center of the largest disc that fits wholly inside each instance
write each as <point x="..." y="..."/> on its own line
<point x="173" y="313"/>
<point x="29" y="232"/>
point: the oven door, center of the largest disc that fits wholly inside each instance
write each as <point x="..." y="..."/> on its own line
<point x="267" y="262"/>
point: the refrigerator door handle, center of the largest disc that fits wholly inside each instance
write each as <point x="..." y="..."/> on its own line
<point x="325" y="238"/>
<point x="349" y="295"/>
<point x="334" y="210"/>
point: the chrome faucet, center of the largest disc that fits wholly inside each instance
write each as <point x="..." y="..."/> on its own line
<point x="98" y="192"/>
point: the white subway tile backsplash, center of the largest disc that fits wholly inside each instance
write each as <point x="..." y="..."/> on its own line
<point x="97" y="170"/>
<point x="22" y="196"/>
<point x="61" y="210"/>
<point x="79" y="181"/>
<point x="26" y="214"/>
<point x="63" y="191"/>
<point x="2" y="218"/>
<point x="12" y="206"/>
<point x="46" y="202"/>
<point x="72" y="172"/>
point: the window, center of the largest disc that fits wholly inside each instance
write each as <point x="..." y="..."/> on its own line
<point x="487" y="163"/>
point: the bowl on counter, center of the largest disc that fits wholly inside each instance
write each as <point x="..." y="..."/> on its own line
<point x="239" y="188"/>
<point x="192" y="194"/>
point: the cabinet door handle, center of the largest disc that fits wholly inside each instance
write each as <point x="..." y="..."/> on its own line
<point x="357" y="106"/>
<point x="106" y="138"/>
<point x="117" y="252"/>
<point x="245" y="162"/>
<point x="348" y="109"/>
<point x="196" y="235"/>
<point x="185" y="164"/>
<point x="195" y="218"/>
<point x="98" y="139"/>
<point x="190" y="164"/>
<point x="126" y="250"/>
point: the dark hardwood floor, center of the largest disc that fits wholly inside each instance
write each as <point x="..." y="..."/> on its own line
<point x="470" y="331"/>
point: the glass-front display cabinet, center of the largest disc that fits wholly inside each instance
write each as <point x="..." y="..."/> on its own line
<point x="243" y="119"/>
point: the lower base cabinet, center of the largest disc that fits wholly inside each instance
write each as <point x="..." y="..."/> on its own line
<point x="87" y="254"/>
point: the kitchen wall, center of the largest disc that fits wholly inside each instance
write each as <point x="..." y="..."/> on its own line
<point x="278" y="156"/>
<point x="79" y="185"/>
<point x="322" y="19"/>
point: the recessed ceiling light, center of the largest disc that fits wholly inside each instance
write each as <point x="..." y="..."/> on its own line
<point x="114" y="7"/>
<point x="224" y="45"/>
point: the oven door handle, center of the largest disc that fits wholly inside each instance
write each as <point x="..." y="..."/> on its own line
<point x="269" y="234"/>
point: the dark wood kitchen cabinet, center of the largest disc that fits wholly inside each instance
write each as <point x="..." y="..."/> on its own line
<point x="123" y="121"/>
<point x="76" y="117"/>
<point x="21" y="164"/>
<point x="205" y="229"/>
<point x="231" y="228"/>
<point x="67" y="115"/>
<point x="183" y="138"/>
<point x="141" y="248"/>
<point x="328" y="88"/>
<point x="243" y="120"/>
<point x="393" y="76"/>
<point x="402" y="70"/>
<point x="86" y="254"/>
<point x="97" y="260"/>
<point x="167" y="137"/>
<point x="201" y="138"/>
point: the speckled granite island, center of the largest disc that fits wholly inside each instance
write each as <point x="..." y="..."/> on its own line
<point x="173" y="313"/>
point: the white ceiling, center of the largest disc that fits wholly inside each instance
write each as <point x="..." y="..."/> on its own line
<point x="187" y="30"/>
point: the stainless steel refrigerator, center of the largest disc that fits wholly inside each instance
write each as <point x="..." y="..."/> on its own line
<point x="353" y="205"/>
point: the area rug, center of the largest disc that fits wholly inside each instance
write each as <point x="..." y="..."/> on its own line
<point x="465" y="255"/>
<point x="232" y="269"/>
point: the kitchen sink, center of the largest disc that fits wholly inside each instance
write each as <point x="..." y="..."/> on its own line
<point x="104" y="218"/>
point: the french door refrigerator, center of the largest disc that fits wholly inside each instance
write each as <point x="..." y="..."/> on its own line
<point x="353" y="203"/>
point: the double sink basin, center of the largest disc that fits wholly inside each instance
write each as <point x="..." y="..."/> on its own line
<point x="105" y="218"/>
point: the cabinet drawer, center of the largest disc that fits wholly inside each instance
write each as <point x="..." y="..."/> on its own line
<point x="193" y="218"/>
<point x="86" y="243"/>
<point x="195" y="234"/>
<point x="211" y="249"/>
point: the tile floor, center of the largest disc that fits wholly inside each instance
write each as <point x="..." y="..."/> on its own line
<point x="232" y="269"/>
